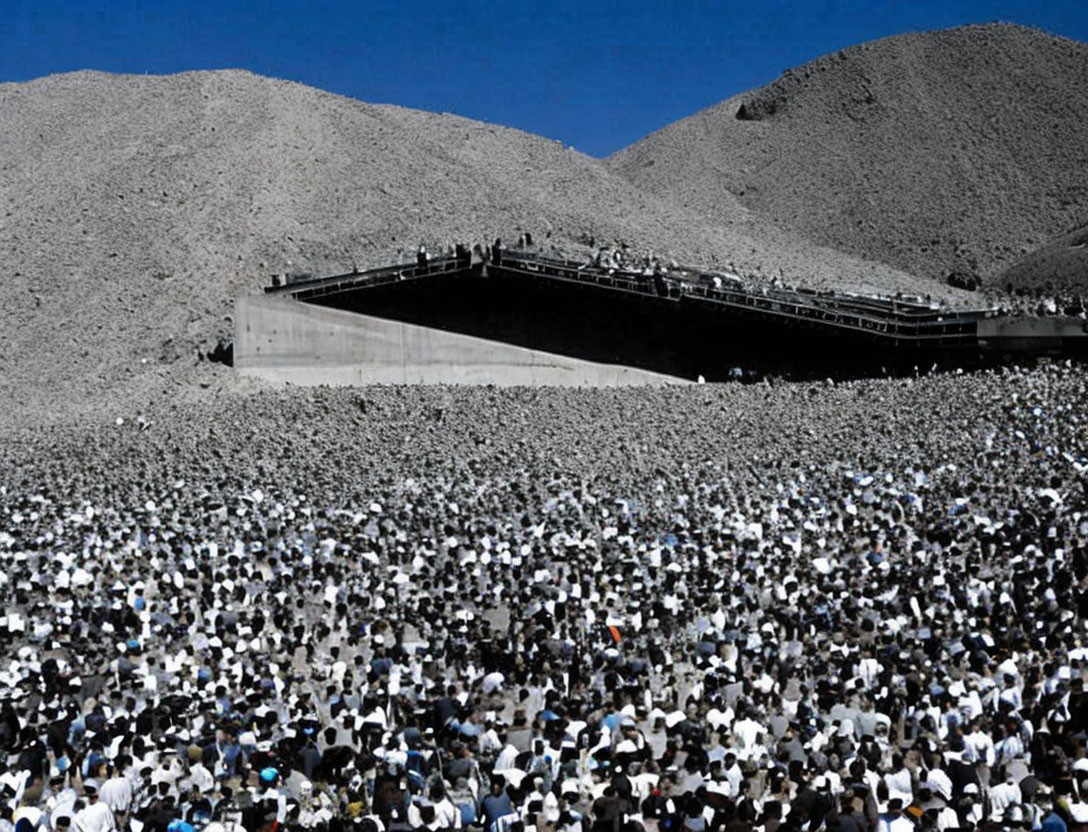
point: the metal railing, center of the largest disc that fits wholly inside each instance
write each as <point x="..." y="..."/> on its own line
<point x="885" y="318"/>
<point x="312" y="287"/>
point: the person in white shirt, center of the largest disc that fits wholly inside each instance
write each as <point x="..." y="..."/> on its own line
<point x="96" y="816"/>
<point x="1002" y="796"/>
<point x="981" y="745"/>
<point x="868" y="669"/>
<point x="506" y="758"/>
<point x="938" y="781"/>
<point x="1011" y="692"/>
<point x="747" y="732"/>
<point x="732" y="773"/>
<point x="947" y="818"/>
<point x="491" y="741"/>
<point x="32" y="815"/>
<point x="893" y="820"/>
<point x="116" y="792"/>
<point x="899" y="781"/>
<point x="200" y="775"/>
<point x="1010" y="747"/>
<point x="446" y="815"/>
<point x="61" y="802"/>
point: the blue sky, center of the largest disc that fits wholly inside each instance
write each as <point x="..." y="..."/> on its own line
<point x="596" y="75"/>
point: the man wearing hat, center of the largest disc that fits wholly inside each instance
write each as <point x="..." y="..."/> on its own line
<point x="95" y="816"/>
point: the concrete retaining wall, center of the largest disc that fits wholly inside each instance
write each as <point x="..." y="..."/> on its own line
<point x="1033" y="334"/>
<point x="284" y="340"/>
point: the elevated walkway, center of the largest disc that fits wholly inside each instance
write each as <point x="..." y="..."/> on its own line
<point x="518" y="317"/>
<point x="902" y="322"/>
<point x="899" y="321"/>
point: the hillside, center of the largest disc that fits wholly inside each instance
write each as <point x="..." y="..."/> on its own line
<point x="1060" y="267"/>
<point x="960" y="149"/>
<point x="136" y="208"/>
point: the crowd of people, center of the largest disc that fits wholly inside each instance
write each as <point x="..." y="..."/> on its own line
<point x="786" y="644"/>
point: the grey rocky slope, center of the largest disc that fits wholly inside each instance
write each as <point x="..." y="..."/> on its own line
<point x="134" y="209"/>
<point x="1058" y="267"/>
<point x="960" y="149"/>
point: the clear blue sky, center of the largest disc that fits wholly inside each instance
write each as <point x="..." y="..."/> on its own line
<point x="597" y="75"/>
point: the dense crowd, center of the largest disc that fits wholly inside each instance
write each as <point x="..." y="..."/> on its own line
<point x="762" y="639"/>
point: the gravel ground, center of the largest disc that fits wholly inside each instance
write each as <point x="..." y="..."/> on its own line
<point x="961" y="149"/>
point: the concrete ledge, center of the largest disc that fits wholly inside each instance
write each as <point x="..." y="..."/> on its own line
<point x="288" y="341"/>
<point x="1033" y="334"/>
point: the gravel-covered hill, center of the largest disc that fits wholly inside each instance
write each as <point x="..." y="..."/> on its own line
<point x="133" y="209"/>
<point x="961" y="149"/>
<point x="1058" y="267"/>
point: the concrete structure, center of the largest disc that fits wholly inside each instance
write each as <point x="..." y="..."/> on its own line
<point x="521" y="318"/>
<point x="1050" y="334"/>
<point x="284" y="340"/>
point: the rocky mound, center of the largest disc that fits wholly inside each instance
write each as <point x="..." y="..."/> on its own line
<point x="956" y="150"/>
<point x="136" y="208"/>
<point x="1058" y="268"/>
